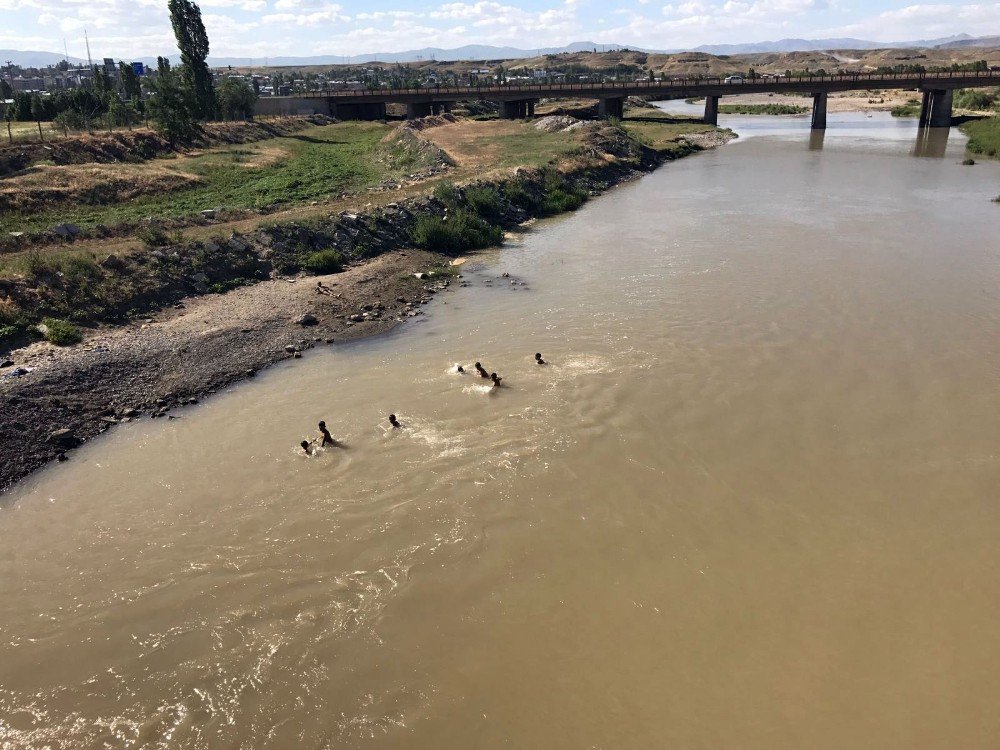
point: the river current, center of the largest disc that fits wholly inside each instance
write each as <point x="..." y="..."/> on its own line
<point x="752" y="501"/>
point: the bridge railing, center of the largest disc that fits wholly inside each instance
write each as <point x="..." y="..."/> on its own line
<point x="506" y="89"/>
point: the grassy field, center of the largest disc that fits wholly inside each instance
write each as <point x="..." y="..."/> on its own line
<point x="984" y="136"/>
<point x="27" y="131"/>
<point x="501" y="144"/>
<point x="662" y="132"/>
<point x="308" y="165"/>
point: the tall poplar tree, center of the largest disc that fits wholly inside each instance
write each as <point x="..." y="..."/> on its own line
<point x="192" y="40"/>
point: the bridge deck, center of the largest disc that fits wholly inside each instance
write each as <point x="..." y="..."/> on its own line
<point x="674" y="88"/>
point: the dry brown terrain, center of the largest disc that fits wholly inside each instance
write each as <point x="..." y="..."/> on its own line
<point x="844" y="101"/>
<point x="693" y="63"/>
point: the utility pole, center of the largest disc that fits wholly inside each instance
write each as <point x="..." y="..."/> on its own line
<point x="90" y="62"/>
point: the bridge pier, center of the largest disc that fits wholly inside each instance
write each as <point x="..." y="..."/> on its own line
<point x="358" y="111"/>
<point x="611" y="107"/>
<point x="935" y="109"/>
<point x="517" y="109"/>
<point x="416" y="110"/>
<point x="711" y="110"/>
<point x="819" y="111"/>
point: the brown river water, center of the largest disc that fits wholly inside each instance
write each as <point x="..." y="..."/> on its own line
<point x="752" y="502"/>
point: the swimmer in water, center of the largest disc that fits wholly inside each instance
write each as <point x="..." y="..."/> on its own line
<point x="496" y="380"/>
<point x="460" y="369"/>
<point x="305" y="447"/>
<point x="538" y="358"/>
<point x="482" y="371"/>
<point x="394" y="422"/>
<point x="327" y="437"/>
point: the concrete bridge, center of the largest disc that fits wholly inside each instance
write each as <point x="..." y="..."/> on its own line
<point x="518" y="100"/>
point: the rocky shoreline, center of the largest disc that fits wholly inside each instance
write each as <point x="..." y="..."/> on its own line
<point x="193" y="343"/>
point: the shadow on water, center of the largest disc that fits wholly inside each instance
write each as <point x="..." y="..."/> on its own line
<point x="931" y="142"/>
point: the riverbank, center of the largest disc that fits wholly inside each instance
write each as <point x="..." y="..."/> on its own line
<point x="984" y="136"/>
<point x="841" y="101"/>
<point x="196" y="325"/>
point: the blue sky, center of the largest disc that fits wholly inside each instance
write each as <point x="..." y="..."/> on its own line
<point x="261" y="28"/>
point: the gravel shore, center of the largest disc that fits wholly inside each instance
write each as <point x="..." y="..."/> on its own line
<point x="153" y="366"/>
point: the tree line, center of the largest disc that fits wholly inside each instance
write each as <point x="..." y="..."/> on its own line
<point x="177" y="100"/>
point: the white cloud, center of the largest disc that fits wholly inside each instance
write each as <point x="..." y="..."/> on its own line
<point x="313" y="13"/>
<point x="924" y="22"/>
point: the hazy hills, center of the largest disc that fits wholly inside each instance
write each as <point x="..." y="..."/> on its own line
<point x="33" y="58"/>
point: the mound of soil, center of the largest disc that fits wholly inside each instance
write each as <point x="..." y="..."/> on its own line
<point x="42" y="187"/>
<point x="142" y="145"/>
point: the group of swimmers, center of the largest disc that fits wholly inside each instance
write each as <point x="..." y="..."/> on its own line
<point x="326" y="438"/>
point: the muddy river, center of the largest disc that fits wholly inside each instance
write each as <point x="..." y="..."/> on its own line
<point x="752" y="500"/>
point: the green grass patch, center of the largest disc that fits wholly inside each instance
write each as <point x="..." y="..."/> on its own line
<point x="555" y="195"/>
<point x="60" y="332"/>
<point x="663" y="133"/>
<point x="308" y="165"/>
<point x="977" y="99"/>
<point x="461" y="231"/>
<point x="762" y="109"/>
<point x="529" y="147"/>
<point x="910" y="109"/>
<point x="984" y="136"/>
<point x="323" y="261"/>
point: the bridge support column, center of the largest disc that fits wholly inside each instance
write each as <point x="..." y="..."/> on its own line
<point x="516" y="109"/>
<point x="361" y="111"/>
<point x="925" y="110"/>
<point x="711" y="110"/>
<point x="531" y="107"/>
<point x="416" y="110"/>
<point x="935" y="110"/>
<point x="819" y="111"/>
<point x="611" y="107"/>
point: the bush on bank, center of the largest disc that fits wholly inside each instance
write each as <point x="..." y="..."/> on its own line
<point x="323" y="261"/>
<point x="984" y="136"/>
<point x="478" y="213"/>
<point x="462" y="230"/>
<point x="61" y="332"/>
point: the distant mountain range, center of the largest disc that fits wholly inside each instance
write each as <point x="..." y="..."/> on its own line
<point x="32" y="59"/>
<point x="817" y="45"/>
<point x="487" y="52"/>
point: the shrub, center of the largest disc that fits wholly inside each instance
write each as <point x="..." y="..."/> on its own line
<point x="10" y="313"/>
<point x="521" y="194"/>
<point x="464" y="230"/>
<point x="323" y="261"/>
<point x="61" y="332"/>
<point x="153" y="236"/>
<point x="984" y="136"/>
<point x="486" y="202"/>
<point x="448" y="194"/>
<point x="7" y="333"/>
<point x="560" y="196"/>
<point x="562" y="200"/>
<point x="976" y="99"/>
<point x="905" y="110"/>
